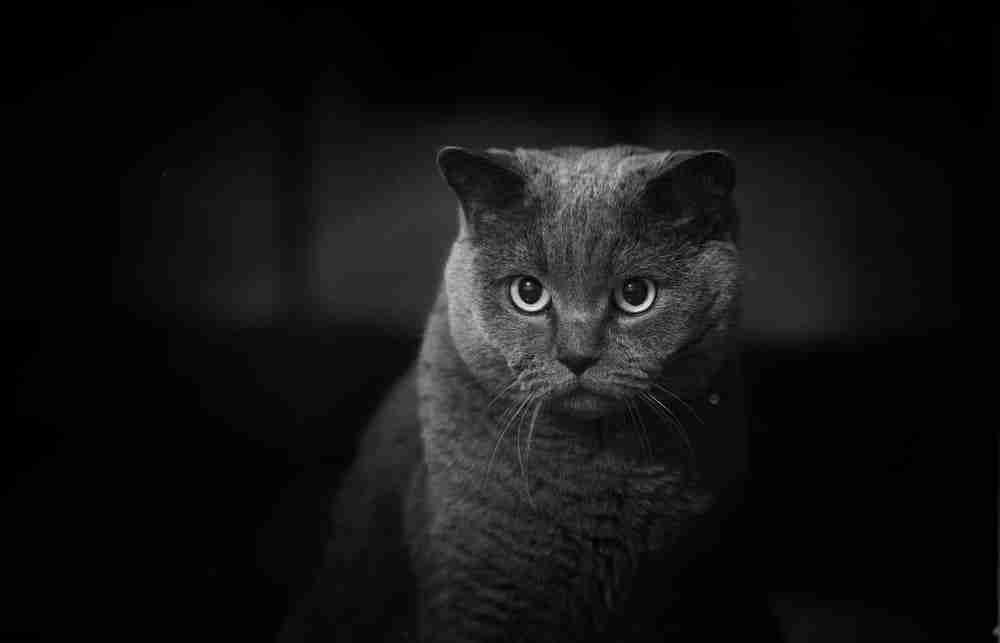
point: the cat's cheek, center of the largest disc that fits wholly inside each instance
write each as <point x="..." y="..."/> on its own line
<point x="654" y="337"/>
<point x="670" y="309"/>
<point x="525" y="334"/>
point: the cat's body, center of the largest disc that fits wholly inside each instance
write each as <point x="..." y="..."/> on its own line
<point x="531" y="478"/>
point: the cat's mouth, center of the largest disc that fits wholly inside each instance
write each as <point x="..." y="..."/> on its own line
<point x="583" y="404"/>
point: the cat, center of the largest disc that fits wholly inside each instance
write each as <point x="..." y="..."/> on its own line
<point x="548" y="468"/>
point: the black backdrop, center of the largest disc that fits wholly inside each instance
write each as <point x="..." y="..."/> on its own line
<point x="282" y="227"/>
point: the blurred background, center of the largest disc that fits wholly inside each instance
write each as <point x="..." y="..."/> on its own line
<point x="282" y="229"/>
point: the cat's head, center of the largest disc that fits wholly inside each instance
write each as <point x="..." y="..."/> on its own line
<point x="586" y="278"/>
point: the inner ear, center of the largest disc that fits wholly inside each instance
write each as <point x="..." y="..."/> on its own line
<point x="484" y="182"/>
<point x="689" y="186"/>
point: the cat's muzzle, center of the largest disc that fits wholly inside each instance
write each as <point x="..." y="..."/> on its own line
<point x="582" y="403"/>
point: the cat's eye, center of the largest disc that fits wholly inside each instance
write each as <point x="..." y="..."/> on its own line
<point x="635" y="295"/>
<point x="528" y="294"/>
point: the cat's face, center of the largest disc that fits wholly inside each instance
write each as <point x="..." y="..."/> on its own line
<point x="586" y="279"/>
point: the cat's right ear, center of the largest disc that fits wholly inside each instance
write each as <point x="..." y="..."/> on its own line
<point x="488" y="184"/>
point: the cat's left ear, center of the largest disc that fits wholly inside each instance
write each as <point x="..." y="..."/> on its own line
<point x="686" y="186"/>
<point x="489" y="185"/>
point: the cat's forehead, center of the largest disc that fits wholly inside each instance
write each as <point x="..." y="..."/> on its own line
<point x="570" y="164"/>
<point x="586" y="177"/>
<point x="581" y="233"/>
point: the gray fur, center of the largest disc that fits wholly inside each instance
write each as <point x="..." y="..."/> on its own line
<point x="542" y="543"/>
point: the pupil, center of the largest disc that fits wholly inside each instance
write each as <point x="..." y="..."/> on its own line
<point x="530" y="291"/>
<point x="634" y="292"/>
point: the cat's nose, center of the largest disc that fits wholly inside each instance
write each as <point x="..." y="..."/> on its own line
<point x="577" y="363"/>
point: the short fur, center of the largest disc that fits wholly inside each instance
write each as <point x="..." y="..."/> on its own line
<point x="496" y="516"/>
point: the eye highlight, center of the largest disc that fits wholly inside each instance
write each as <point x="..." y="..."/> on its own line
<point x="635" y="295"/>
<point x="528" y="294"/>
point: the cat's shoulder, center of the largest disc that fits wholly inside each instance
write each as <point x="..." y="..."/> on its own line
<point x="390" y="446"/>
<point x="365" y="588"/>
<point x="395" y="426"/>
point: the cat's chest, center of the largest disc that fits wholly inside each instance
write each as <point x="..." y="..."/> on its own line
<point x="552" y="496"/>
<point x="558" y="561"/>
<point x="582" y="510"/>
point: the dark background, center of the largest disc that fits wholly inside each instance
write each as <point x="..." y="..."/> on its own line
<point x="280" y="236"/>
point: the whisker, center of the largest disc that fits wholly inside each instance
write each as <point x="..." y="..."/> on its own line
<point x="675" y="421"/>
<point x="531" y="429"/>
<point x="496" y="398"/>
<point x="517" y="439"/>
<point x="664" y="413"/>
<point x="639" y="427"/>
<point x="679" y="399"/>
<point x="645" y="432"/>
<point x="670" y="421"/>
<point x="510" y="415"/>
<point x="666" y="409"/>
<point x="634" y="426"/>
<point x="643" y="376"/>
<point x="517" y="433"/>
<point x="506" y="412"/>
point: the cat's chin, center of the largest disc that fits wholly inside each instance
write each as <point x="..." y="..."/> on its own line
<point x="581" y="404"/>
